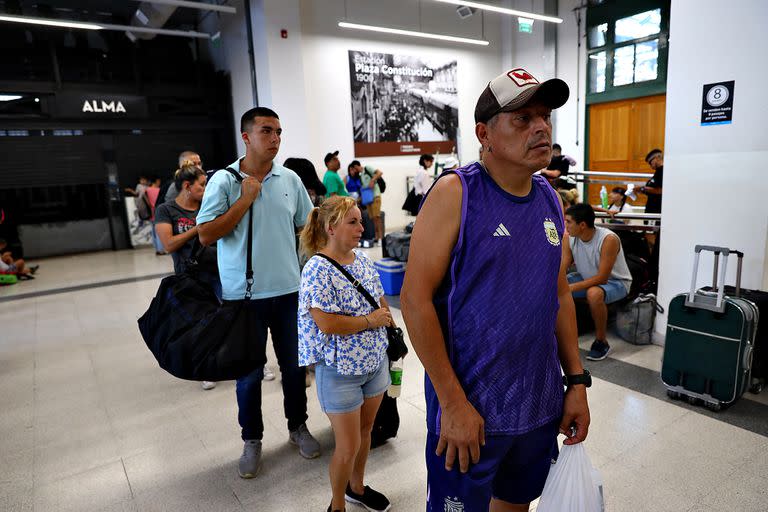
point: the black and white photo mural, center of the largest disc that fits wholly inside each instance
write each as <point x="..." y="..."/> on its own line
<point x="403" y="104"/>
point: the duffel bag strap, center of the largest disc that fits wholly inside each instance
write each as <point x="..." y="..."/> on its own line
<point x="249" y="245"/>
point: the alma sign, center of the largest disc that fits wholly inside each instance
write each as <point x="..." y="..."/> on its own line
<point x="79" y="105"/>
<point x="103" y="106"/>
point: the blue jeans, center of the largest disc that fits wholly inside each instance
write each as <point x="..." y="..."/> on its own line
<point x="156" y="240"/>
<point x="614" y="289"/>
<point x="278" y="315"/>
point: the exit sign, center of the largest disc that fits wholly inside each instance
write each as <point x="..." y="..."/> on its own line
<point x="525" y="25"/>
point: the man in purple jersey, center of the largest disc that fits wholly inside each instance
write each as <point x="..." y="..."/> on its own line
<point x="490" y="313"/>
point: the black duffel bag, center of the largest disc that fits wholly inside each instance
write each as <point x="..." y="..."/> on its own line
<point x="193" y="335"/>
<point x="398" y="245"/>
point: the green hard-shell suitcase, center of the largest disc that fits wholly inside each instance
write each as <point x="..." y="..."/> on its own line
<point x="710" y="339"/>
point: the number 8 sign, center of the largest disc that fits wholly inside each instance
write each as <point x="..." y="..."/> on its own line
<point x="717" y="103"/>
<point x="717" y="95"/>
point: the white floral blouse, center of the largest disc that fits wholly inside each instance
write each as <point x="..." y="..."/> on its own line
<point x="325" y="288"/>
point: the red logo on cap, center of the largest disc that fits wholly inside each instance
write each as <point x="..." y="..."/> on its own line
<point x="521" y="77"/>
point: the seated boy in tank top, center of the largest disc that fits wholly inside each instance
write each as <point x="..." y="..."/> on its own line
<point x="602" y="275"/>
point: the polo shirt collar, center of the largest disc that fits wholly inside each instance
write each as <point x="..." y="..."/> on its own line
<point x="275" y="171"/>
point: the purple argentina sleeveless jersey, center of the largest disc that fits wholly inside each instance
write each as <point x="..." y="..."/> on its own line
<point x="498" y="305"/>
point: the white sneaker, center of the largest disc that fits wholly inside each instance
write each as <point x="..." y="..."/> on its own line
<point x="206" y="385"/>
<point x="268" y="374"/>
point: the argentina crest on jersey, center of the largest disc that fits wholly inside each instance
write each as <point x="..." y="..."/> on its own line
<point x="551" y="230"/>
<point x="453" y="505"/>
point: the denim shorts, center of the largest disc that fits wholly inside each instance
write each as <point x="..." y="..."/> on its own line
<point x="614" y="289"/>
<point x="340" y="394"/>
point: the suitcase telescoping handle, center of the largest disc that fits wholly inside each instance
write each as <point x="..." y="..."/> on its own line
<point x="708" y="301"/>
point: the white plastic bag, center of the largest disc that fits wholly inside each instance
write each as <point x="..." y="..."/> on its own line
<point x="572" y="485"/>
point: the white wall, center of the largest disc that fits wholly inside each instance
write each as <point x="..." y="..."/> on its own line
<point x="281" y="77"/>
<point x="279" y="86"/>
<point x="326" y="74"/>
<point x="714" y="176"/>
<point x="305" y="78"/>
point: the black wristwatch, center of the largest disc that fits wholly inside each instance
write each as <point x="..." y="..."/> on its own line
<point x="582" y="378"/>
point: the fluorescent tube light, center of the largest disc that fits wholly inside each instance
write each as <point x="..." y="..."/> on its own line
<point x="50" y="22"/>
<point x="425" y="35"/>
<point x="104" y="26"/>
<point x="503" y="10"/>
<point x="9" y="97"/>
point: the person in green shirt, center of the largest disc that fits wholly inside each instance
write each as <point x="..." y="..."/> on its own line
<point x="369" y="177"/>
<point x="332" y="181"/>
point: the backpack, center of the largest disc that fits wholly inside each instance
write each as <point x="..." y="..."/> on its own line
<point x="641" y="276"/>
<point x="143" y="208"/>
<point x="380" y="181"/>
<point x="634" y="321"/>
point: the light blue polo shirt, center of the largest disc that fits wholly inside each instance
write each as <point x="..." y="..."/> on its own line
<point x="282" y="205"/>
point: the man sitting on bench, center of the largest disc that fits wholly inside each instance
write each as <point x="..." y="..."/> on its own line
<point x="602" y="275"/>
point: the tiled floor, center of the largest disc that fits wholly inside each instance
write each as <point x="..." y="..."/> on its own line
<point x="90" y="423"/>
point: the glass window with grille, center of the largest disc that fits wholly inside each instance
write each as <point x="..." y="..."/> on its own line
<point x="625" y="49"/>
<point x="637" y="26"/>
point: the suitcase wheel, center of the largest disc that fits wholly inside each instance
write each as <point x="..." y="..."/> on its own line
<point x="674" y="395"/>
<point x="756" y="388"/>
<point x="714" y="407"/>
<point x="693" y="400"/>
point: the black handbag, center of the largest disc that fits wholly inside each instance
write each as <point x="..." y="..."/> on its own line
<point x="396" y="348"/>
<point x="412" y="202"/>
<point x="193" y="335"/>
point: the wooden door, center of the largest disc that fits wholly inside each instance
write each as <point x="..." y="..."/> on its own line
<point x="621" y="133"/>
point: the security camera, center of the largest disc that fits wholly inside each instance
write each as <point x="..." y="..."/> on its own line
<point x="465" y="12"/>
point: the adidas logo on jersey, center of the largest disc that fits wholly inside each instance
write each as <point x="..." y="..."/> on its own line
<point x="501" y="231"/>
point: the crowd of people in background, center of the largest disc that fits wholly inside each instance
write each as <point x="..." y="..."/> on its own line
<point x="14" y="267"/>
<point x="196" y="218"/>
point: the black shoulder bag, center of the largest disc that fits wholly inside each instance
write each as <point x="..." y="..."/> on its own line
<point x="193" y="336"/>
<point x="397" y="348"/>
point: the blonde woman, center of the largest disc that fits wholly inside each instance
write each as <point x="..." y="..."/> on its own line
<point x="345" y="337"/>
<point x="176" y="227"/>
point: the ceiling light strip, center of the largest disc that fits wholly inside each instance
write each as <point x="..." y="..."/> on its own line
<point x="503" y="10"/>
<point x="49" y="22"/>
<point x="103" y="26"/>
<point x="426" y="35"/>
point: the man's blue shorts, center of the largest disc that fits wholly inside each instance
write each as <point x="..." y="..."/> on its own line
<point x="614" y="289"/>
<point x="511" y="469"/>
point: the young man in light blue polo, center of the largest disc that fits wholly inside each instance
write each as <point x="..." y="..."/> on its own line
<point x="280" y="206"/>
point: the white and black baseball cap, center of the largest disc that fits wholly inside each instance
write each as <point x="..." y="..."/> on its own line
<point x="512" y="90"/>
